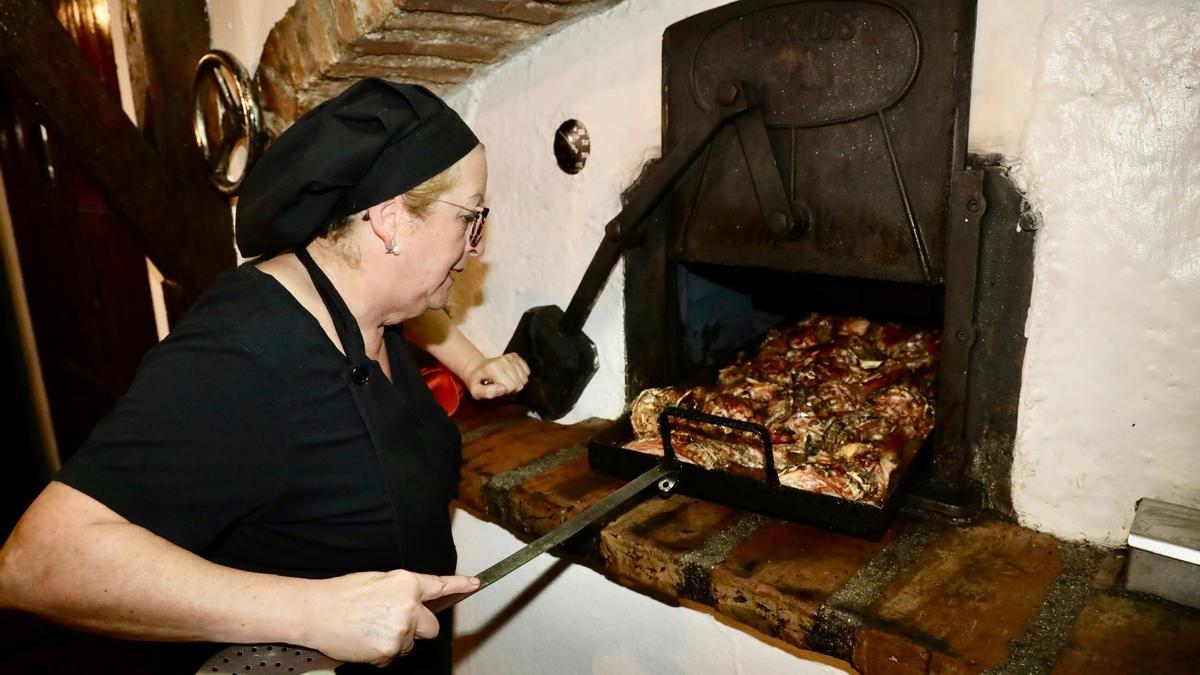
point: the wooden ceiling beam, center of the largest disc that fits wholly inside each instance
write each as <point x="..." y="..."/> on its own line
<point x="183" y="224"/>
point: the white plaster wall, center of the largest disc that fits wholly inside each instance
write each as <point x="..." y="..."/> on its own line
<point x="553" y="618"/>
<point x="1099" y="100"/>
<point x="1007" y="62"/>
<point x="241" y="27"/>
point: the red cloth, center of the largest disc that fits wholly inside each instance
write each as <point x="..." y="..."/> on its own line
<point x="445" y="385"/>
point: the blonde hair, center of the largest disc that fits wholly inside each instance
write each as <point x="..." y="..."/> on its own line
<point x="417" y="200"/>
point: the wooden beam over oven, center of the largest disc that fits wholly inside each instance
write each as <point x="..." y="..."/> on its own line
<point x="172" y="37"/>
<point x="184" y="224"/>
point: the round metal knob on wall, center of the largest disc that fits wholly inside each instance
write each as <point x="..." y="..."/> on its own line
<point x="572" y="146"/>
<point x="227" y="121"/>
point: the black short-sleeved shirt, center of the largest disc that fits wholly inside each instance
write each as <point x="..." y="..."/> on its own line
<point x="240" y="441"/>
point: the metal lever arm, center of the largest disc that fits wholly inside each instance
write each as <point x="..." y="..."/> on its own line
<point x="779" y="216"/>
<point x="731" y="102"/>
<point x="563" y="359"/>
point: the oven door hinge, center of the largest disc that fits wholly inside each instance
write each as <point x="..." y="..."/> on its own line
<point x="959" y="335"/>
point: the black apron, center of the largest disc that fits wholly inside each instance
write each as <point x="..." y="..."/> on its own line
<point x="419" y="451"/>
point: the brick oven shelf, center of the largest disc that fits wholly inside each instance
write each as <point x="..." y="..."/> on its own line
<point x="928" y="597"/>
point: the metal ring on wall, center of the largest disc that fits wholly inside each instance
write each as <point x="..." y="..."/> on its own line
<point x="226" y="117"/>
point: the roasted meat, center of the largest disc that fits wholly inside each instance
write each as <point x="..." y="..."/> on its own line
<point x="845" y="401"/>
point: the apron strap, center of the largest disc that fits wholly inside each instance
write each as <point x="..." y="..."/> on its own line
<point x="417" y="455"/>
<point x="343" y="320"/>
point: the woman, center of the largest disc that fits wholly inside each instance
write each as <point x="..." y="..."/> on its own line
<point x="279" y="472"/>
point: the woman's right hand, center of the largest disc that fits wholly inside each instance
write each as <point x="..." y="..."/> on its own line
<point x="373" y="617"/>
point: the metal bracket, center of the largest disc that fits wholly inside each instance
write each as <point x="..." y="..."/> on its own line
<point x="781" y="219"/>
<point x="226" y="115"/>
<point x="959" y="335"/>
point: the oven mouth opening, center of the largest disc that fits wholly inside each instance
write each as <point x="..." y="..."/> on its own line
<point x="723" y="309"/>
<point x="785" y="400"/>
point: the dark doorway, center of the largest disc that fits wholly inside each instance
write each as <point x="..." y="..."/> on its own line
<point x="84" y="271"/>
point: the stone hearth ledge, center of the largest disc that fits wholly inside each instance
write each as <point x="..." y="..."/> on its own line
<point x="929" y="597"/>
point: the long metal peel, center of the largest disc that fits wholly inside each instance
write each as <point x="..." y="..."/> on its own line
<point x="559" y="534"/>
<point x="281" y="658"/>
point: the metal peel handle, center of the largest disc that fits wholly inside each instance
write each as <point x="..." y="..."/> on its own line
<point x="299" y="660"/>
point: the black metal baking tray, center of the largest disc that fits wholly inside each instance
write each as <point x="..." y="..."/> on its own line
<point x="762" y="494"/>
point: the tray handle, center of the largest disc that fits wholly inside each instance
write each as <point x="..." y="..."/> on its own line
<point x="664" y="430"/>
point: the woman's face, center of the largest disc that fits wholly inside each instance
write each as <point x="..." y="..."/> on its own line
<point x="437" y="243"/>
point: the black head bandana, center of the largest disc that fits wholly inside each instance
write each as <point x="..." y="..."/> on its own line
<point x="366" y="145"/>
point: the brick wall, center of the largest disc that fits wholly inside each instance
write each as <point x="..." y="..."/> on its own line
<point x="321" y="46"/>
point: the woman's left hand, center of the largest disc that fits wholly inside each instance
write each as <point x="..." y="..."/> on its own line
<point x="492" y="377"/>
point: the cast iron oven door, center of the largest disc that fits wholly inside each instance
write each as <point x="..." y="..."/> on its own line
<point x="859" y="100"/>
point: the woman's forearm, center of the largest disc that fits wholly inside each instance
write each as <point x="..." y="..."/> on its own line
<point x="435" y="333"/>
<point x="485" y="377"/>
<point x="74" y="561"/>
<point x="86" y="567"/>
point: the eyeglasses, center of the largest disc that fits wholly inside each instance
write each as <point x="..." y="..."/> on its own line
<point x="475" y="229"/>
